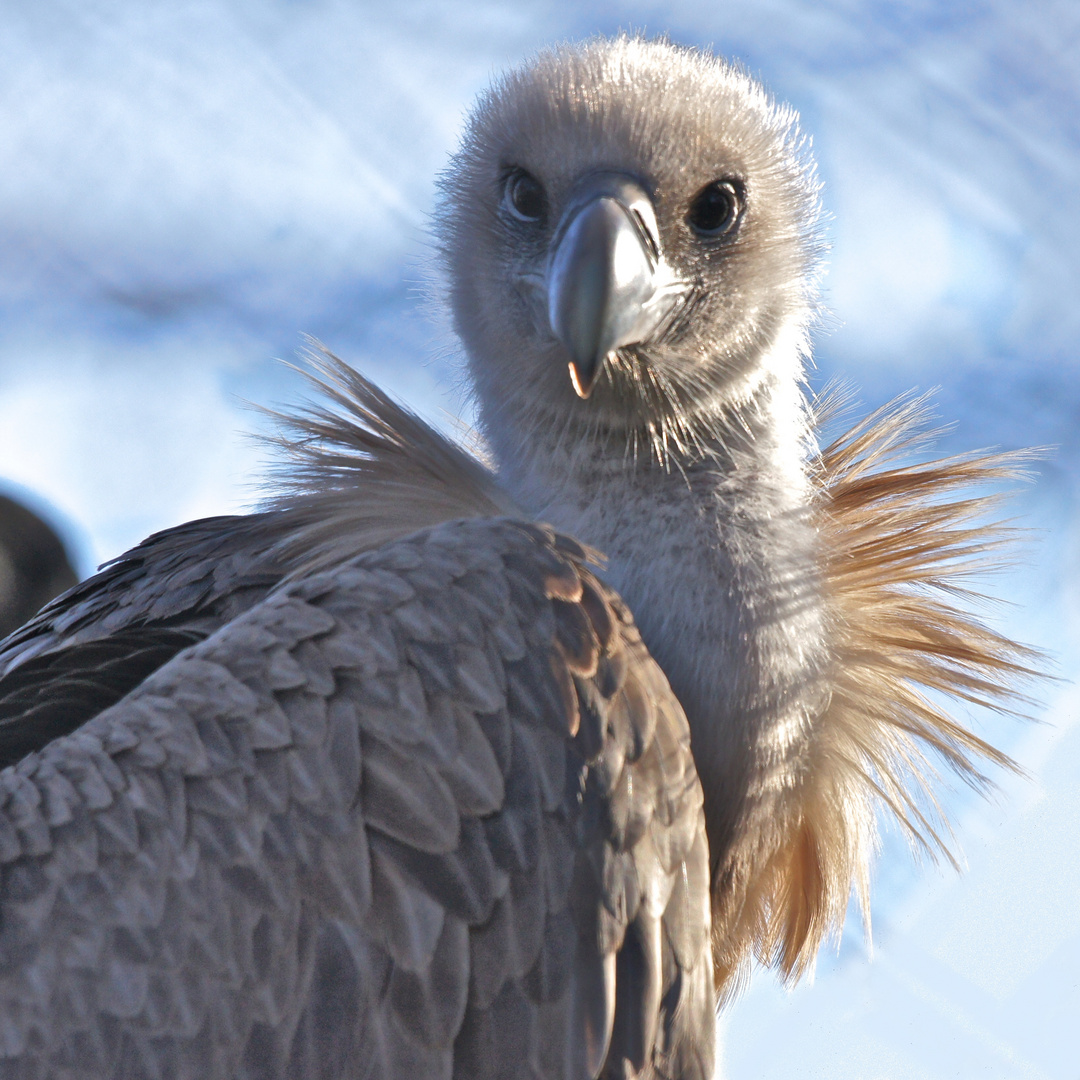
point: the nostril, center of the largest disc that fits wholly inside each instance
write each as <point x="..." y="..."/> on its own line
<point x="646" y="234"/>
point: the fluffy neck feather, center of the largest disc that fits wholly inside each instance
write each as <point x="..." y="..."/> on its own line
<point x="718" y="555"/>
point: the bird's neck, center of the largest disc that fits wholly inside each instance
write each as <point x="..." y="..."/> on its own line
<point x="716" y="554"/>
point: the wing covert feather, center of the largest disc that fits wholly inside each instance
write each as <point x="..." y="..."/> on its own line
<point x="429" y="813"/>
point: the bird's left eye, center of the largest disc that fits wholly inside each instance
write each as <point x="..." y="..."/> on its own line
<point x="523" y="196"/>
<point x="716" y="208"/>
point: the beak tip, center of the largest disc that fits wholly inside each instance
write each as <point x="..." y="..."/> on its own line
<point x="582" y="386"/>
<point x="583" y="378"/>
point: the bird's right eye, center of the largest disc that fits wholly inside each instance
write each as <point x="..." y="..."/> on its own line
<point x="523" y="196"/>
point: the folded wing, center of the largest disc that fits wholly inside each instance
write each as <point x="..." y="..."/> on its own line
<point x="430" y="812"/>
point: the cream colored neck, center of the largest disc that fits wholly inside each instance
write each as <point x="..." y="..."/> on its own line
<point x="717" y="558"/>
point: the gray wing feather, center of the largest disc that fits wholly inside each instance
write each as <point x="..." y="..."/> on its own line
<point x="429" y="813"/>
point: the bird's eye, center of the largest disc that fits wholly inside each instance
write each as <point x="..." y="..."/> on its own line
<point x="716" y="208"/>
<point x="523" y="196"/>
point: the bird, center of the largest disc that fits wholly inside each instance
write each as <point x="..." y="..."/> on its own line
<point x="34" y="565"/>
<point x="510" y="763"/>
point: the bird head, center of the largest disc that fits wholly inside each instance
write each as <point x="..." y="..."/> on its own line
<point x="630" y="229"/>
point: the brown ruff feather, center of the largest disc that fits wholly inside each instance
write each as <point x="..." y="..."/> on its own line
<point x="901" y="543"/>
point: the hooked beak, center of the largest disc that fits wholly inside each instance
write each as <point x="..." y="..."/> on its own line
<point x="607" y="284"/>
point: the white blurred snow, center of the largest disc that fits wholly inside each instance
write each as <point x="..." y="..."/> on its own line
<point x="189" y="187"/>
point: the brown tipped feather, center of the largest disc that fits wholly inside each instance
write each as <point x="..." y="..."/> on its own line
<point x="900" y="544"/>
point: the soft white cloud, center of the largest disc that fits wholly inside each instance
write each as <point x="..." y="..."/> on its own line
<point x="123" y="445"/>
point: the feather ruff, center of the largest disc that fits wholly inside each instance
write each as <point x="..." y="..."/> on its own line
<point x="901" y="544"/>
<point x="359" y="470"/>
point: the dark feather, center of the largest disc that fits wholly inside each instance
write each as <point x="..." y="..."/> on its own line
<point x="52" y="695"/>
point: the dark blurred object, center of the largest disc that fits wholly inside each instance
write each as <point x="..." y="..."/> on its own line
<point x="34" y="565"/>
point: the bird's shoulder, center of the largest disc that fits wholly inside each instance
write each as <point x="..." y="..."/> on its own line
<point x="434" y="807"/>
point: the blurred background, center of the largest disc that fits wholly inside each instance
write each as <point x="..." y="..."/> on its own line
<point x="187" y="188"/>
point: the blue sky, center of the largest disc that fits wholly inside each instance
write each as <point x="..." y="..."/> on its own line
<point x="189" y="187"/>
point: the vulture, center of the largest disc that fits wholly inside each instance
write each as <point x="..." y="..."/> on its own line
<point x="508" y="764"/>
<point x="34" y="564"/>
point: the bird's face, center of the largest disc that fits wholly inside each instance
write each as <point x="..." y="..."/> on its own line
<point x="630" y="234"/>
